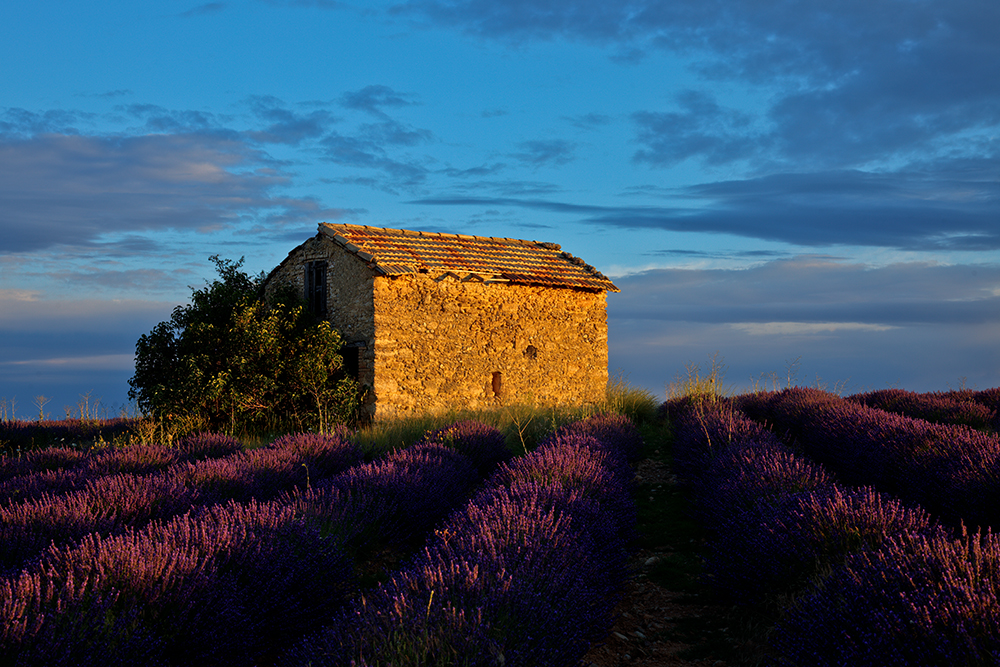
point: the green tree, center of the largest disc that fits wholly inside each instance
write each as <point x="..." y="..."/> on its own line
<point x="228" y="360"/>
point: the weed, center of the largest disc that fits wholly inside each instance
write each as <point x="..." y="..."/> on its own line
<point x="639" y="405"/>
<point x="696" y="386"/>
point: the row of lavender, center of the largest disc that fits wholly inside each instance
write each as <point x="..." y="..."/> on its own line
<point x="952" y="471"/>
<point x="527" y="573"/>
<point x="230" y="583"/>
<point x="236" y="582"/>
<point x="60" y="495"/>
<point x="978" y="409"/>
<point x="855" y="576"/>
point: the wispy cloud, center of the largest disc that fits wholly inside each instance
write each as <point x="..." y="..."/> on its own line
<point x="816" y="291"/>
<point x="701" y="129"/>
<point x="59" y="189"/>
<point x="539" y="152"/>
<point x="287" y="126"/>
<point x="952" y="206"/>
<point x="849" y="83"/>
<point x="203" y="9"/>
<point x="372" y="99"/>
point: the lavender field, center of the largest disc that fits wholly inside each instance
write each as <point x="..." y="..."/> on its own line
<point x="866" y="535"/>
<point x="856" y="531"/>
<point x="446" y="551"/>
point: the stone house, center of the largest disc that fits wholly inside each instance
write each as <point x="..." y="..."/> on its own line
<point x="437" y="321"/>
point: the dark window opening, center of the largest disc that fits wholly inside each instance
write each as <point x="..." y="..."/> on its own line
<point x="497" y="384"/>
<point x="531" y="352"/>
<point x="352" y="361"/>
<point x="316" y="287"/>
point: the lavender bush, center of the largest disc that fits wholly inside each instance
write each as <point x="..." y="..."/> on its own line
<point x="483" y="444"/>
<point x="616" y="433"/>
<point x="324" y="454"/>
<point x="525" y="574"/>
<point x="41" y="460"/>
<point x="224" y="587"/>
<point x="953" y="471"/>
<point x="922" y="599"/>
<point x="768" y="552"/>
<point x="107" y="505"/>
<point x="395" y="500"/>
<point x="198" y="446"/>
<point x="935" y="407"/>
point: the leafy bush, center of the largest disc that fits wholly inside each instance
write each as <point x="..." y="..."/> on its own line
<point x="230" y="361"/>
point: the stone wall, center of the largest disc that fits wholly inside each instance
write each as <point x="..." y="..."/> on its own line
<point x="444" y="343"/>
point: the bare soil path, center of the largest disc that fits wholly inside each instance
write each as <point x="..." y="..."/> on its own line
<point x="667" y="618"/>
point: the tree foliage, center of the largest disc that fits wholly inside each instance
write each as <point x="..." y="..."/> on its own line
<point x="228" y="360"/>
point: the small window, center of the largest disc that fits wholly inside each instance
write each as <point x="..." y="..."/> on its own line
<point x="497" y="384"/>
<point x="531" y="352"/>
<point x="315" y="293"/>
<point x="352" y="360"/>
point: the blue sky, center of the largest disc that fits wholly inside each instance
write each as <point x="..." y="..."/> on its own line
<point x="796" y="186"/>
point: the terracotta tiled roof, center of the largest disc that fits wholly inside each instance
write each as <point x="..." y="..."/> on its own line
<point x="397" y="251"/>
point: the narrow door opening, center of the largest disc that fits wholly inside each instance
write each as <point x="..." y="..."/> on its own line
<point x="497" y="384"/>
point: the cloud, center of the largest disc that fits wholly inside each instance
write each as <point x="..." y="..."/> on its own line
<point x="367" y="152"/>
<point x="285" y="126"/>
<point x="161" y="119"/>
<point x="16" y="122"/>
<point x="371" y="99"/>
<point x="92" y="362"/>
<point x="941" y="205"/>
<point x="815" y="293"/>
<point x="848" y="323"/>
<point x="73" y="190"/>
<point x="847" y="360"/>
<point x="541" y="152"/>
<point x="723" y="254"/>
<point x="31" y="313"/>
<point x="145" y="280"/>
<point x="481" y="170"/>
<point x="589" y="121"/>
<point x="701" y="129"/>
<point x="797" y="328"/>
<point x="848" y="83"/>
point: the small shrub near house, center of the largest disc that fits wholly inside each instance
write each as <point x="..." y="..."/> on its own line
<point x="228" y="361"/>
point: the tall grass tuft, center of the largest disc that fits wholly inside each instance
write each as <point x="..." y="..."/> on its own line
<point x="694" y="385"/>
<point x="639" y="405"/>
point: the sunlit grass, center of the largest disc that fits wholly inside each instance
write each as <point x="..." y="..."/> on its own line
<point x="523" y="425"/>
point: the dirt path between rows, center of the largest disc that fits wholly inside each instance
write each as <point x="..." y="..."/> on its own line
<point x="653" y="622"/>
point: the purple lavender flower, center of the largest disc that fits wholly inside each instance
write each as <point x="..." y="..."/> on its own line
<point x="922" y="599"/>
<point x="761" y="554"/>
<point x="483" y="444"/>
<point x="616" y="432"/>
<point x="226" y="586"/>
<point x="325" y="454"/>
<point x="198" y="446"/>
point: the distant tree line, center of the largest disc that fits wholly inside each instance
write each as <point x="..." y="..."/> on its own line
<point x="232" y="361"/>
